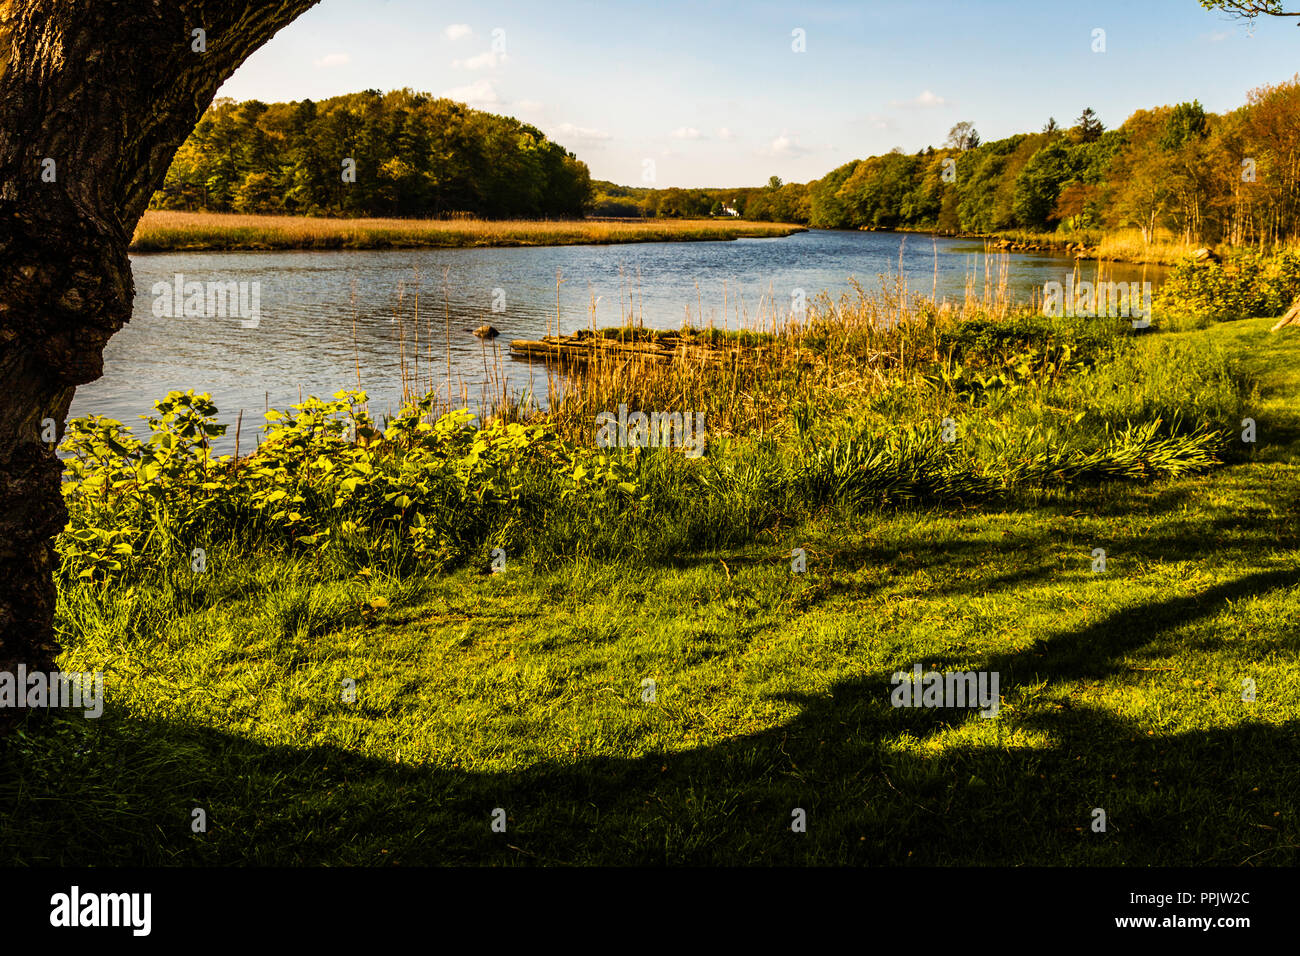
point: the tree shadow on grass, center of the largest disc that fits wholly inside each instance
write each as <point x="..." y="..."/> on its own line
<point x="824" y="562"/>
<point x="878" y="784"/>
<point x="1098" y="650"/>
<point x="1026" y="558"/>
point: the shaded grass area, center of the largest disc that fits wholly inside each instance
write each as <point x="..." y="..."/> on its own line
<point x="166" y="231"/>
<point x="524" y="690"/>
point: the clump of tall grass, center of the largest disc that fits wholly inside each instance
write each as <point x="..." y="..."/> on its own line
<point x="908" y="466"/>
<point x="747" y="380"/>
<point x="1164" y="247"/>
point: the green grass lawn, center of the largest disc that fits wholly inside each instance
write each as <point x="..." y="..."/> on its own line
<point x="525" y="691"/>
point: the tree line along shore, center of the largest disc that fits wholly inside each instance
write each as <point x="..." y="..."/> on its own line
<point x="176" y="231"/>
<point x="406" y="168"/>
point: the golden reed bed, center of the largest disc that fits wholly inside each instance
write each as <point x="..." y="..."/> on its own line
<point x="168" y="231"/>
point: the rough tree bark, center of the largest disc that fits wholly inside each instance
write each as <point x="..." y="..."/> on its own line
<point x="1292" y="317"/>
<point x="108" y="90"/>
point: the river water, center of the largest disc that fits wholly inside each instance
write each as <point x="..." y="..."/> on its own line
<point x="321" y="316"/>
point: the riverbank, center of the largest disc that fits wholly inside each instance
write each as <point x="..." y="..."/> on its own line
<point x="1112" y="247"/>
<point x="168" y="231"/>
<point x="1122" y="246"/>
<point x="438" y="621"/>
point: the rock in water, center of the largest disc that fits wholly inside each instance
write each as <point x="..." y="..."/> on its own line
<point x="486" y="332"/>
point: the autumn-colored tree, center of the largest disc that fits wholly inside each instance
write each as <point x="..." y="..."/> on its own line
<point x="1141" y="197"/>
<point x="1076" y="205"/>
<point x="1190" y="174"/>
<point x="1272" y="121"/>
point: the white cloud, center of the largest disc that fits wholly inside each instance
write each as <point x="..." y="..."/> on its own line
<point x="529" y="106"/>
<point x="686" y="132"/>
<point x="478" y="93"/>
<point x="784" y="145"/>
<point x="332" y="59"/>
<point x="567" y="132"/>
<point x="484" y="61"/>
<point x="927" y="100"/>
<point x="458" y="30"/>
<point x="724" y="133"/>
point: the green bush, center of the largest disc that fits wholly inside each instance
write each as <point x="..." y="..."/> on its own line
<point x="324" y="476"/>
<point x="1244" y="286"/>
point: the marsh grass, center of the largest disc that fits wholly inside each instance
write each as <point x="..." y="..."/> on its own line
<point x="170" y="231"/>
<point x="1165" y="247"/>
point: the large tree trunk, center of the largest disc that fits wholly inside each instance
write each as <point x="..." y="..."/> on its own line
<point x="1292" y="317"/>
<point x="108" y="91"/>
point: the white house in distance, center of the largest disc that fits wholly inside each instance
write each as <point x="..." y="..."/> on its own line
<point x="729" y="209"/>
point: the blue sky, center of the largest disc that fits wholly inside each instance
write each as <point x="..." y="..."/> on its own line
<point x="713" y="93"/>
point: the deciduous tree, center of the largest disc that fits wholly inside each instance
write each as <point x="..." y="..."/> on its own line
<point x="95" y="98"/>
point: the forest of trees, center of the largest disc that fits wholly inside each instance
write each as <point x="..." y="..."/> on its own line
<point x="775" y="202"/>
<point x="1205" y="177"/>
<point x="414" y="155"/>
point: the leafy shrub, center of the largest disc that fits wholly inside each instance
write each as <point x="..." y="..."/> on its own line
<point x="1246" y="285"/>
<point x="324" y="476"/>
<point x="982" y="342"/>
